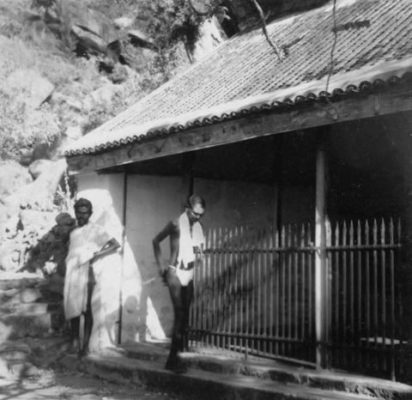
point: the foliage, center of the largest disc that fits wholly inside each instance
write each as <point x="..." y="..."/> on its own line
<point x="29" y="41"/>
<point x="170" y="24"/>
<point x="20" y="130"/>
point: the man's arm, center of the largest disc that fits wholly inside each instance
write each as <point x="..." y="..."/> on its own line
<point x="110" y="247"/>
<point x="164" y="233"/>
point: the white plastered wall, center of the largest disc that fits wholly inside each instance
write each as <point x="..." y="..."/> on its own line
<point x="152" y="201"/>
<point x="117" y="276"/>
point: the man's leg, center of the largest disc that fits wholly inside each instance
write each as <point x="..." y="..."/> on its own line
<point x="175" y="289"/>
<point x="74" y="334"/>
<point x="187" y="297"/>
<point x="88" y="316"/>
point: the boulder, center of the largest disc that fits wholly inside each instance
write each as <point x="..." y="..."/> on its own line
<point x="38" y="220"/>
<point x="140" y="39"/>
<point x="30" y="295"/>
<point x="29" y="87"/>
<point x="38" y="167"/>
<point x="74" y="132"/>
<point x="102" y="97"/>
<point x="123" y="22"/>
<point x="39" y="194"/>
<point x="60" y="98"/>
<point x="211" y="35"/>
<point x="12" y="178"/>
<point x="89" y="40"/>
<point x="9" y="256"/>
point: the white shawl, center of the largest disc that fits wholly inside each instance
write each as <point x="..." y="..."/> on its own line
<point x="188" y="240"/>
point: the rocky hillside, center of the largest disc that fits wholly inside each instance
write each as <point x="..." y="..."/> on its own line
<point x="66" y="67"/>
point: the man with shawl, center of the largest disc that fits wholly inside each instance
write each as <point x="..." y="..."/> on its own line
<point x="88" y="242"/>
<point x="186" y="237"/>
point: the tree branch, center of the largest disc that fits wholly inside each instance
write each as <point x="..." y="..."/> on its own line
<point x="272" y="44"/>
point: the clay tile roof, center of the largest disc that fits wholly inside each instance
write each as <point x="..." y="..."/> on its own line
<point x="373" y="43"/>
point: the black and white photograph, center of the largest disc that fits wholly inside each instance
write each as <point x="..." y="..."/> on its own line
<point x="206" y="199"/>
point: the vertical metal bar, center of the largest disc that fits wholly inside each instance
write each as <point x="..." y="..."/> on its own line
<point x="230" y="298"/>
<point x="311" y="288"/>
<point x="352" y="291"/>
<point x="344" y="291"/>
<point x="212" y="290"/>
<point x="359" y="283"/>
<point x="288" y="273"/>
<point x="337" y="269"/>
<point x="267" y="277"/>
<point x="375" y="282"/>
<point x="223" y="289"/>
<point x="227" y="268"/>
<point x="303" y="268"/>
<point x="243" y="299"/>
<point x="392" y="298"/>
<point x="246" y="285"/>
<point x="282" y="309"/>
<point x="277" y="265"/>
<point x="296" y="286"/>
<point x="238" y="297"/>
<point x="368" y="290"/>
<point x="260" y="291"/>
<point x="204" y="292"/>
<point x="218" y="286"/>
<point x="202" y="287"/>
<point x="255" y="289"/>
<point x="383" y="288"/>
<point x="328" y="290"/>
<point x="271" y="286"/>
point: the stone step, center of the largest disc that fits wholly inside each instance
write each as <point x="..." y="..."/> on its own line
<point x="15" y="326"/>
<point x="199" y="384"/>
<point x="19" y="280"/>
<point x="268" y="370"/>
<point x="22" y="357"/>
<point x="20" y="295"/>
<point x="30" y="308"/>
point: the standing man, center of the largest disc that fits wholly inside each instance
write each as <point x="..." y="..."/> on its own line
<point x="88" y="242"/>
<point x="186" y="237"/>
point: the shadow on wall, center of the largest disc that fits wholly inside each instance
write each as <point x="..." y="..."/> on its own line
<point x="154" y="315"/>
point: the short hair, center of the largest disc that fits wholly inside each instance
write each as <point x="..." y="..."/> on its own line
<point x="195" y="199"/>
<point x="82" y="202"/>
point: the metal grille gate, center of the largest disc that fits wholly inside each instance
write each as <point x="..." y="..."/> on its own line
<point x="255" y="294"/>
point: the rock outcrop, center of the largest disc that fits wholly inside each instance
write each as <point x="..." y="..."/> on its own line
<point x="29" y="215"/>
<point x="28" y="87"/>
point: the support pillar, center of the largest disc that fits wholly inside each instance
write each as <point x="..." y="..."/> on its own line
<point x="188" y="172"/>
<point x="123" y="244"/>
<point x="321" y="275"/>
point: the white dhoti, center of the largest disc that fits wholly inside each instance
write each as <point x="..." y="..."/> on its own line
<point x="84" y="242"/>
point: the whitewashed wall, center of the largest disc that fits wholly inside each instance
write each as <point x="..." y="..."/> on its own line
<point x="153" y="201"/>
<point x="118" y="278"/>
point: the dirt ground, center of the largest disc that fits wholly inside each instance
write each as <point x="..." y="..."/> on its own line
<point x="31" y="369"/>
<point x="67" y="385"/>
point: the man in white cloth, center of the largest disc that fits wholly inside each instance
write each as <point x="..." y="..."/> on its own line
<point x="88" y="242"/>
<point x="186" y="237"/>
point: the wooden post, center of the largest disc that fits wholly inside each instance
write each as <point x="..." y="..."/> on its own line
<point x="320" y="258"/>
<point x="188" y="171"/>
<point x="277" y="182"/>
<point x="124" y="217"/>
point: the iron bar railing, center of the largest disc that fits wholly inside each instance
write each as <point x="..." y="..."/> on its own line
<point x="255" y="294"/>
